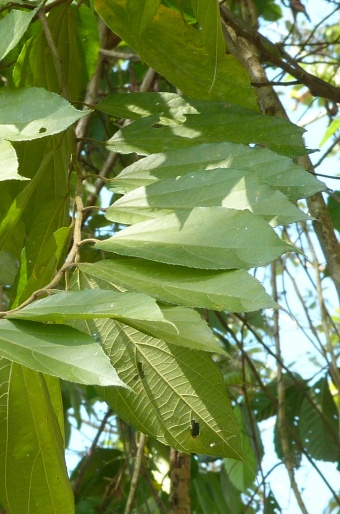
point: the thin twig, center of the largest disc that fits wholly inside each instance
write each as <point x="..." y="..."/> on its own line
<point x="86" y="462"/>
<point x="136" y="473"/>
<point x="281" y="413"/>
<point x="55" y="54"/>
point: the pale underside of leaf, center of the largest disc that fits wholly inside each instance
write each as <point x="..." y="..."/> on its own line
<point x="233" y="290"/>
<point x="56" y="350"/>
<point x="275" y="170"/>
<point x="207" y="238"/>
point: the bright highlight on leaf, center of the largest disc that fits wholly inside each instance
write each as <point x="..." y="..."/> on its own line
<point x="8" y="162"/>
<point x="57" y="350"/>
<point x="32" y="113"/>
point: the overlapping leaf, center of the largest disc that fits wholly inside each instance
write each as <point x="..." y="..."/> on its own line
<point x="233" y="189"/>
<point x="233" y="290"/>
<point x="171" y="386"/>
<point x="206" y="238"/>
<point x="9" y="162"/>
<point x="91" y="304"/>
<point x="273" y="169"/>
<point x="56" y="350"/>
<point x="177" y="51"/>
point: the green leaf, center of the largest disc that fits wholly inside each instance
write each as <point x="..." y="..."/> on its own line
<point x="208" y="238"/>
<point x="207" y="13"/>
<point x="319" y="430"/>
<point x="177" y="51"/>
<point x="215" y="122"/>
<point x="91" y="304"/>
<point x="33" y="475"/>
<point x="233" y="189"/>
<point x="234" y="290"/>
<point x="273" y="169"/>
<point x="12" y="27"/>
<point x="191" y="331"/>
<point x="270" y="505"/>
<point x="140" y="15"/>
<point x="334" y="126"/>
<point x="242" y="474"/>
<point x="8" y="162"/>
<point x="56" y="350"/>
<point x="20" y="122"/>
<point x="171" y="386"/>
<point x="170" y="107"/>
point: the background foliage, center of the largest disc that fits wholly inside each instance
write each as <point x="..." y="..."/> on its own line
<point x="161" y="222"/>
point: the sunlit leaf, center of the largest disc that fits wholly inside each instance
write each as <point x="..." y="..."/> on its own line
<point x="91" y="304"/>
<point x="12" y="27"/>
<point x="56" y="350"/>
<point x="273" y="169"/>
<point x="207" y="238"/>
<point x="19" y="121"/>
<point x="233" y="290"/>
<point x="8" y="162"/>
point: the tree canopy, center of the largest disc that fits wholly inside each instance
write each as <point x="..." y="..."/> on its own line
<point x="161" y="221"/>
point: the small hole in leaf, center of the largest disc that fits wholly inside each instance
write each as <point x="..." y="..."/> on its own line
<point x="42" y="130"/>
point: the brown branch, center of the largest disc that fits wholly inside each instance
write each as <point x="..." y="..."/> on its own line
<point x="275" y="54"/>
<point x="180" y="482"/>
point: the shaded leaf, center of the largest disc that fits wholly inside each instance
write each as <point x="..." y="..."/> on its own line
<point x="140" y="15"/>
<point x="177" y="51"/>
<point x="215" y="122"/>
<point x="56" y="350"/>
<point x="207" y="13"/>
<point x="319" y="430"/>
<point x="208" y="238"/>
<point x="19" y="122"/>
<point x="233" y="290"/>
<point x="33" y="475"/>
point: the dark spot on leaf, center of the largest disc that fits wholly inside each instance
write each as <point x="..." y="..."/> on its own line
<point x="42" y="130"/>
<point x="140" y="370"/>
<point x="195" y="428"/>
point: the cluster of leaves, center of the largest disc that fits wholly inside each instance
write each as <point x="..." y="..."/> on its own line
<point x="191" y="218"/>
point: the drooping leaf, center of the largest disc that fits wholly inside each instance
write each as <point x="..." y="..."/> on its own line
<point x="8" y="162"/>
<point x="19" y="122"/>
<point x="319" y="433"/>
<point x="33" y="475"/>
<point x="273" y="169"/>
<point x="140" y="15"/>
<point x="56" y="350"/>
<point x="177" y="51"/>
<point x="233" y="290"/>
<point x="207" y="238"/>
<point x="233" y="189"/>
<point x="12" y="27"/>
<point x="242" y="474"/>
<point x="171" y="386"/>
<point x="91" y="304"/>
<point x="207" y="13"/>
